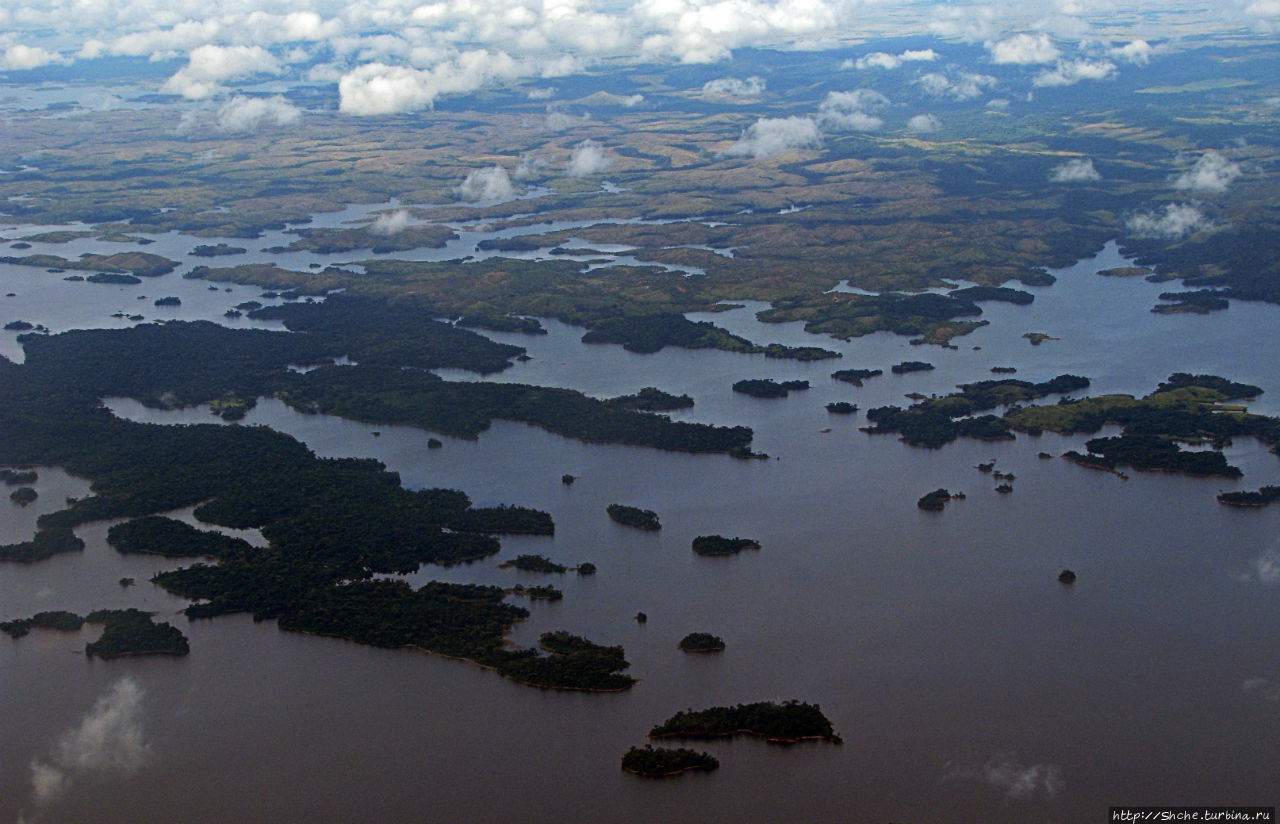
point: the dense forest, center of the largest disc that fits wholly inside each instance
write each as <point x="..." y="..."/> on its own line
<point x="664" y="762"/>
<point x="787" y="722"/>
<point x="720" y="545"/>
<point x="633" y="516"/>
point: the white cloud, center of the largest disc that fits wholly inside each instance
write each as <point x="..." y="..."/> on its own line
<point x="541" y="94"/>
<point x="250" y="114"/>
<point x="923" y="124"/>
<point x="208" y="66"/>
<point x="377" y="88"/>
<point x="588" y="158"/>
<point x="1022" y="782"/>
<point x="1070" y="72"/>
<point x="390" y="223"/>
<point x="108" y="740"/>
<point x="1263" y="688"/>
<point x="1175" y="221"/>
<point x="1023" y="49"/>
<point x="751" y="87"/>
<point x="1079" y="170"/>
<point x="1212" y="173"/>
<point x="1266" y="567"/>
<point x="964" y="86"/>
<point x="770" y="135"/>
<point x="558" y="120"/>
<point x="492" y="183"/>
<point x="1137" y="52"/>
<point x="884" y="60"/>
<point x="19" y="57"/>
<point x="529" y="166"/>
<point x="851" y="111"/>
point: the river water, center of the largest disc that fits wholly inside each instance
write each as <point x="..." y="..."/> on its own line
<point x="968" y="684"/>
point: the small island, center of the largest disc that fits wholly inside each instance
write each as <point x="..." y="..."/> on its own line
<point x="133" y="632"/>
<point x="935" y="500"/>
<point x="701" y="642"/>
<point x="533" y="563"/>
<point x="666" y="762"/>
<point x="910" y="366"/>
<point x="18" y="477"/>
<point x="219" y="250"/>
<point x="1067" y="576"/>
<point x="18" y="326"/>
<point x="55" y="619"/>
<point x="785" y="723"/>
<point x="1262" y="497"/>
<point x="856" y="376"/>
<point x="634" y="517"/>
<point x="718" y="545"/>
<point x="158" y="535"/>
<point x="114" y="279"/>
<point x="542" y="593"/>
<point x="1038" y="338"/>
<point x="23" y="495"/>
<point x="842" y="408"/>
<point x="46" y="543"/>
<point x="651" y="399"/>
<point x="768" y="388"/>
<point x="168" y="301"/>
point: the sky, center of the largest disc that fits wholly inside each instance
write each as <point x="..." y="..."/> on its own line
<point x="390" y="56"/>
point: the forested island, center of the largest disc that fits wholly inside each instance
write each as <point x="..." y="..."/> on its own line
<point x="158" y="535"/>
<point x="701" y="642"/>
<point x="533" y="563"/>
<point x="48" y="541"/>
<point x="768" y="388"/>
<point x="124" y="632"/>
<point x="133" y="632"/>
<point x="635" y="517"/>
<point x="666" y="762"/>
<point x="842" y="408"/>
<point x="718" y="545"/>
<point x="935" y="501"/>
<point x="1261" y="497"/>
<point x="856" y="376"/>
<point x="785" y="723"/>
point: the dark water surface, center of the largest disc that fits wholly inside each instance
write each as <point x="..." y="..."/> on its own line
<point x="968" y="684"/>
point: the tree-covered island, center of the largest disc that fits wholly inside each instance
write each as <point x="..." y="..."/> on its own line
<point x="718" y="545"/>
<point x="935" y="501"/>
<point x="785" y="723"/>
<point x="768" y="388"/>
<point x="666" y="762"/>
<point x="634" y="516"/>
<point x="701" y="642"/>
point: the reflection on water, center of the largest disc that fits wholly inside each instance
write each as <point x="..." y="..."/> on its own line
<point x="969" y="685"/>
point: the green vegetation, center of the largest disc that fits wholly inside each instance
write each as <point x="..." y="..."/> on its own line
<point x="1152" y="453"/>
<point x="856" y="376"/>
<point x="113" y="279"/>
<point x="538" y="593"/>
<point x="937" y="421"/>
<point x="158" y="535"/>
<point x="632" y="516"/>
<point x="205" y="250"/>
<point x="18" y="326"/>
<point x="651" y="399"/>
<point x="54" y="619"/>
<point x="48" y="541"/>
<point x="534" y="563"/>
<point x="333" y="241"/>
<point x="664" y="762"/>
<point x="1038" y="338"/>
<point x="168" y="301"/>
<point x="23" y="495"/>
<point x="935" y="500"/>
<point x="768" y="388"/>
<point x="719" y="545"/>
<point x="133" y="632"/>
<point x="784" y="723"/>
<point x="911" y="366"/>
<point x="842" y="408"/>
<point x="18" y="477"/>
<point x="701" y="642"/>
<point x="138" y="264"/>
<point x="1262" y="497"/>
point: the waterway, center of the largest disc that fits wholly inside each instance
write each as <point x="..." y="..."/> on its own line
<point x="967" y="683"/>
